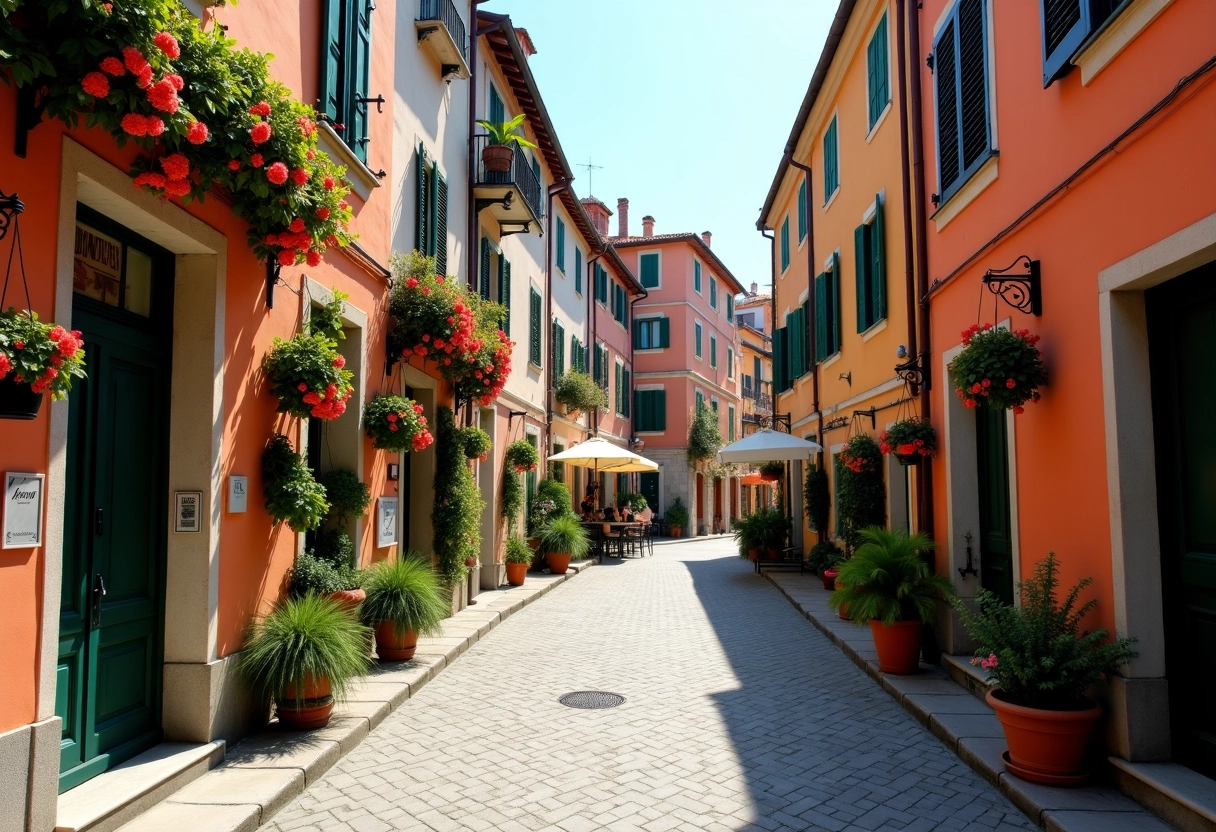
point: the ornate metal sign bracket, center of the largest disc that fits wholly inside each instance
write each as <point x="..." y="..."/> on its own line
<point x="10" y="207"/>
<point x="782" y="420"/>
<point x="1022" y="291"/>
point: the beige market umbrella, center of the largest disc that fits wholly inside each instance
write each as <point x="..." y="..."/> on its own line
<point x="768" y="446"/>
<point x="601" y="454"/>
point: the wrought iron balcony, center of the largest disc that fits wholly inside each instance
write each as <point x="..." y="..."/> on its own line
<point x="514" y="196"/>
<point x="441" y="29"/>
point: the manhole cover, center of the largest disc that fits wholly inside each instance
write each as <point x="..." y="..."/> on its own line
<point x="591" y="699"/>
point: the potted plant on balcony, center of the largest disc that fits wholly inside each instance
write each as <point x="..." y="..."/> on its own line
<point x="579" y="392"/>
<point x="998" y="368"/>
<point x="303" y="654"/>
<point x="677" y="517"/>
<point x="563" y="539"/>
<point x="403" y="602"/>
<point x="35" y="357"/>
<point x="888" y="582"/>
<point x="501" y="138"/>
<point x="1040" y="663"/>
<point x="519" y="558"/>
<point x="909" y="440"/>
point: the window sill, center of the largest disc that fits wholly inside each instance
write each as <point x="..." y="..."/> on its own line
<point x="362" y="180"/>
<point x="830" y="360"/>
<point x="831" y="199"/>
<point x="874" y="330"/>
<point x="648" y="433"/>
<point x="1115" y="35"/>
<point x="984" y="176"/>
<point x="878" y="123"/>
<point x="646" y="350"/>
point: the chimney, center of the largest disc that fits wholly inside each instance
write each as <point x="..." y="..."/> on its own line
<point x="755" y="287"/>
<point x="705" y="235"/>
<point x="622" y="217"/>
<point x="648" y="226"/>
<point x="598" y="212"/>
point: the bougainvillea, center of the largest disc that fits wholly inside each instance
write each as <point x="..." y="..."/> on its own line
<point x="908" y="439"/>
<point x="198" y="107"/>
<point x="307" y="376"/>
<point x="998" y="368"/>
<point x="395" y="423"/>
<point x="44" y="356"/>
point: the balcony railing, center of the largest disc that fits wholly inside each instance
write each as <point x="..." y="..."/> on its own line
<point x="445" y="12"/>
<point x="761" y="401"/>
<point x="520" y="176"/>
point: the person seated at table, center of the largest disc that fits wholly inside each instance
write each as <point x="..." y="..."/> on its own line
<point x="610" y="533"/>
<point x="645" y="515"/>
<point x="587" y="507"/>
<point x="626" y="514"/>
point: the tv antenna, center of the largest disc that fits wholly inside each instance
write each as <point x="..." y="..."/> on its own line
<point x="589" y="167"/>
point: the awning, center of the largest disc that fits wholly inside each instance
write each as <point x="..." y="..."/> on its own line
<point x="604" y="456"/>
<point x="768" y="445"/>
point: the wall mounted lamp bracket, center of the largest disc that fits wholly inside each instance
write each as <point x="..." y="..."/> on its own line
<point x="273" y="276"/>
<point x="969" y="569"/>
<point x="911" y="372"/>
<point x="511" y="414"/>
<point x="847" y="377"/>
<point x="1022" y="291"/>
<point x="782" y="420"/>
<point x="10" y="207"/>
<point x="872" y="413"/>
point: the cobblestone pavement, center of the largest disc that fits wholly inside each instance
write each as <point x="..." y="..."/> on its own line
<point x="739" y="715"/>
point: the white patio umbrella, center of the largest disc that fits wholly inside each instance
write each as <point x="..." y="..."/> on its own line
<point x="768" y="445"/>
<point x="601" y="454"/>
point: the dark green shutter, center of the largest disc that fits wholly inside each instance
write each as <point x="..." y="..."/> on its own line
<point x="535" y="328"/>
<point x="861" y="239"/>
<point x="597" y="369"/>
<point x="637" y="334"/>
<point x="504" y="292"/>
<point x="625" y="393"/>
<point x="498" y="113"/>
<point x="659" y="408"/>
<point x="802" y="206"/>
<point x="730" y="308"/>
<point x="332" y="60"/>
<point x="601" y="284"/>
<point x="422" y="221"/>
<point x="785" y="243"/>
<point x="821" y="317"/>
<point x="559" y="350"/>
<point x="484" y="288"/>
<point x="649" y="268"/>
<point x="578" y="270"/>
<point x="779" y="370"/>
<point x="440" y="226"/>
<point x="664" y="332"/>
<point x="834" y="303"/>
<point x="359" y="69"/>
<point x="561" y="245"/>
<point x="831" y="169"/>
<point x="878" y="81"/>
<point x="878" y="268"/>
<point x="713" y="350"/>
<point x="616" y="401"/>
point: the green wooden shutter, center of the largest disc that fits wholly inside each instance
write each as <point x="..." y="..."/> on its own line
<point x="713" y="350"/>
<point x="497" y="112"/>
<point x="713" y="293"/>
<point x="578" y="270"/>
<point x="878" y="268"/>
<point x="831" y="169"/>
<point x="802" y="217"/>
<point x="649" y="268"/>
<point x="730" y="308"/>
<point x="861" y="237"/>
<point x="561" y="245"/>
<point x="559" y="350"/>
<point x="785" y="243"/>
<point x="598" y="370"/>
<point x="664" y="332"/>
<point x="616" y="401"/>
<point x="834" y="304"/>
<point x="422" y="221"/>
<point x="484" y="287"/>
<point x="504" y="291"/>
<point x="625" y="393"/>
<point x="945" y="78"/>
<point x="821" y="317"/>
<point x="440" y="225"/>
<point x="878" y="81"/>
<point x="639" y="408"/>
<point x="780" y="379"/>
<point x="332" y="59"/>
<point x="730" y="423"/>
<point x="660" y="410"/>
<point x="696" y="276"/>
<point x="637" y="334"/>
<point x="792" y="348"/>
<point x="808" y="358"/>
<point x="535" y="328"/>
<point x="359" y="69"/>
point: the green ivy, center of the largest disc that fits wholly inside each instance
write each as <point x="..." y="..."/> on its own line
<point x="292" y="495"/>
<point x="861" y="496"/>
<point x="348" y="495"/>
<point x="817" y="500"/>
<point x="704" y="436"/>
<point x="456" y="515"/>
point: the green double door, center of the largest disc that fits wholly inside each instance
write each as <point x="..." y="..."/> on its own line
<point x="1182" y="342"/>
<point x="108" y="684"/>
<point x="996" y="526"/>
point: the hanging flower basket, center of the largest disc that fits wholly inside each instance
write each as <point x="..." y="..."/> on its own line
<point x="910" y="440"/>
<point x="522" y="456"/>
<point x="772" y="471"/>
<point x="395" y="423"/>
<point x="998" y="368"/>
<point x="579" y="392"/>
<point x="477" y="443"/>
<point x="35" y="357"/>
<point x="306" y="375"/>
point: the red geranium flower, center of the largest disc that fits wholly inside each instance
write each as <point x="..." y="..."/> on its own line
<point x="176" y="166"/>
<point x="260" y="109"/>
<point x="234" y="164"/>
<point x="95" y="84"/>
<point x="287" y="257"/>
<point x="143" y="78"/>
<point x="112" y="66"/>
<point x="177" y="187"/>
<point x="299" y="176"/>
<point x="260" y="132"/>
<point x="133" y="60"/>
<point x="197" y="133"/>
<point x="133" y="124"/>
<point x="313" y="258"/>
<point x="276" y="174"/>
<point x="256" y="160"/>
<point x="155" y="126"/>
<point x="167" y="44"/>
<point x="297" y="225"/>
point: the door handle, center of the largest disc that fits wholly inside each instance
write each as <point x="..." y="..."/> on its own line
<point x="99" y="591"/>
<point x="98" y="521"/>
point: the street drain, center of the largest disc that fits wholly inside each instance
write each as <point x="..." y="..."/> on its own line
<point x="591" y="699"/>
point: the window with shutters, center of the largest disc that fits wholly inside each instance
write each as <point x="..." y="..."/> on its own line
<point x="619" y="370"/>
<point x="802" y="216"/>
<point x="651" y="333"/>
<point x="730" y="362"/>
<point x="797" y="348"/>
<point x="697" y="338"/>
<point x="559" y="350"/>
<point x="578" y="271"/>
<point x="700" y="400"/>
<point x="626" y="395"/>
<point x="495" y="109"/>
<point x="785" y="243"/>
<point x="431" y="220"/>
<point x="561" y="246"/>
<point x="620" y="304"/>
<point x="346" y="40"/>
<point x="831" y="162"/>
<point x="713" y="351"/>
<point x="827" y="311"/>
<point x="535" y="328"/>
<point x="601" y="284"/>
<point x="650" y="411"/>
<point x="781" y="377"/>
<point x="483" y="269"/>
<point x="878" y="74"/>
<point x="648" y="268"/>
<point x="960" y="83"/>
<point x="1067" y="25"/>
<point x="871" y="269"/>
<point x="696" y="276"/>
<point x="757" y="370"/>
<point x="713" y="293"/>
<point x="730" y="308"/>
<point x="504" y="291"/>
<point x="730" y="423"/>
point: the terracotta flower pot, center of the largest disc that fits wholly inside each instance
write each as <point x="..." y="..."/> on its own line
<point x="348" y="599"/>
<point x="676" y="531"/>
<point x="395" y="645"/>
<point x="470" y="562"/>
<point x="753" y="554"/>
<point x="829" y="578"/>
<point x="558" y="564"/>
<point x="1045" y="747"/>
<point x="898" y="646"/>
<point x="773" y="552"/>
<point x="314" y="708"/>
<point x="497" y="157"/>
<point x="18" y="400"/>
<point x="517" y="573"/>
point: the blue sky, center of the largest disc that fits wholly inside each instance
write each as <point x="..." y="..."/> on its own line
<point x="686" y="104"/>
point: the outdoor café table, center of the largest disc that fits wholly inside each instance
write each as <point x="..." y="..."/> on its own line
<point x="617" y="526"/>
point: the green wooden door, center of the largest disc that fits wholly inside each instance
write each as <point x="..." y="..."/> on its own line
<point x="1182" y="341"/>
<point x="108" y="686"/>
<point x="996" y="532"/>
<point x="648" y="486"/>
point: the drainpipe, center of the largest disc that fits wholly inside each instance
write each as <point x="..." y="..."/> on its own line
<point x="552" y="191"/>
<point x="905" y="166"/>
<point x="593" y="419"/>
<point x="810" y="295"/>
<point x="633" y="370"/>
<point x="476" y="34"/>
<point x="769" y="235"/>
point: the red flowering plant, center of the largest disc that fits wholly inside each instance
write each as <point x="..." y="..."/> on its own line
<point x="44" y="356"/>
<point x="521" y="456"/>
<point x="998" y="368"/>
<point x="909" y="439"/>
<point x="395" y="423"/>
<point x="476" y="442"/>
<point x="861" y="454"/>
<point x="206" y="114"/>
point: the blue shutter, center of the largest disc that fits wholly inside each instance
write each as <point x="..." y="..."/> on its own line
<point x="945" y="72"/>
<point x="578" y="270"/>
<point x="964" y="131"/>
<point x="1066" y="25"/>
<point x="359" y="69"/>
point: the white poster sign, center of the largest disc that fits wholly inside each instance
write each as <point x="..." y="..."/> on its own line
<point x="22" y="511"/>
<point x="238" y="494"/>
<point x="386" y="521"/>
<point x="188" y="516"/>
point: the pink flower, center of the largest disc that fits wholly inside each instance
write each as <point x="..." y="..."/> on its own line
<point x="95" y="84"/>
<point x="276" y="174"/>
<point x="989" y="662"/>
<point x="167" y="44"/>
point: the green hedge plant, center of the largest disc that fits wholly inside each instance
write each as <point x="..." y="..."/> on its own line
<point x="456" y="514"/>
<point x="861" y="496"/>
<point x="292" y="496"/>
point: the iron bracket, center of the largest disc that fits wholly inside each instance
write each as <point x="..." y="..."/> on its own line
<point x="273" y="275"/>
<point x="969" y="569"/>
<point x="10" y="207"/>
<point x="1021" y="291"/>
<point x="872" y="413"/>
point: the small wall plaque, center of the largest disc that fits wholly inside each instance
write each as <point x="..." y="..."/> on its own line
<point x="238" y="494"/>
<point x="188" y="514"/>
<point x="22" y="511"/>
<point x="386" y="521"/>
<point x="394" y="472"/>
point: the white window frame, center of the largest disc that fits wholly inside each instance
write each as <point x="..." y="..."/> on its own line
<point x="659" y="253"/>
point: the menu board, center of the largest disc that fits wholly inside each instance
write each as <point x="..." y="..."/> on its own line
<point x="97" y="270"/>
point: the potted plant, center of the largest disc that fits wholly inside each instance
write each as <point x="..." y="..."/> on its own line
<point x="824" y="557"/>
<point x="499" y="151"/>
<point x="998" y="368"/>
<point x="772" y="471"/>
<point x="677" y="517"/>
<point x="307" y="376"/>
<point x="909" y="440"/>
<point x="861" y="496"/>
<point x="747" y="536"/>
<point x="291" y="493"/>
<point x="348" y="495"/>
<point x="578" y="391"/>
<point x="477" y="443"/>
<point x="319" y="573"/>
<point x="403" y="602"/>
<point x="562" y="540"/>
<point x="35" y="357"/>
<point x="888" y="582"/>
<point x="522" y="456"/>
<point x="303" y="654"/>
<point x="395" y="423"/>
<point x="773" y="531"/>
<point x="519" y="558"/>
<point x="1040" y="664"/>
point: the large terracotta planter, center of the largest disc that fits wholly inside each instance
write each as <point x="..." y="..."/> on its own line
<point x="517" y="573"/>
<point x="842" y="611"/>
<point x="829" y="578"/>
<point x="675" y="531"/>
<point x="395" y="645"/>
<point x="497" y="157"/>
<point x="1045" y="747"/>
<point x="558" y="564"/>
<point x="313" y="711"/>
<point x="18" y="400"/>
<point x="898" y="646"/>
<point x="348" y="599"/>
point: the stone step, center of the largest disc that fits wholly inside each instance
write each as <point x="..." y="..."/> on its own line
<point x="1184" y="797"/>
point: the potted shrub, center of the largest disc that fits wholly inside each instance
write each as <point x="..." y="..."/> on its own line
<point x="824" y="557"/>
<point x="773" y="531"/>
<point x="319" y="573"/>
<point x="579" y="392"/>
<point x="677" y="517"/>
<point x="998" y="368"/>
<point x="772" y="471"/>
<point x="403" y="602"/>
<point x="909" y="440"/>
<point x="291" y="493"/>
<point x="499" y="149"/>
<point x="562" y="540"/>
<point x="888" y="582"/>
<point x="747" y="536"/>
<point x="519" y="558"/>
<point x="303" y="654"/>
<point x="307" y="376"/>
<point x="34" y="358"/>
<point x="395" y="423"/>
<point x="1040" y="664"/>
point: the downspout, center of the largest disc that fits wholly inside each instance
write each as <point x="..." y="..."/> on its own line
<point x="810" y="296"/>
<point x="633" y="371"/>
<point x="471" y="201"/>
<point x="593" y="419"/>
<point x="552" y="191"/>
<point x="905" y="167"/>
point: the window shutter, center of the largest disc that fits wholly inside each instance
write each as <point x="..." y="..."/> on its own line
<point x="559" y="350"/>
<point x="596" y="359"/>
<point x="421" y="222"/>
<point x="601" y="284"/>
<point x="973" y="82"/>
<point x="660" y="410"/>
<point x="713" y="293"/>
<point x="561" y="245"/>
<point x="331" y="64"/>
<point x="440" y="226"/>
<point x="1066" y="25"/>
<point x="785" y="243"/>
<point x="834" y="304"/>
<point x="696" y="276"/>
<point x="861" y="235"/>
<point x="664" y="332"/>
<point x="757" y="370"/>
<point x="946" y="78"/>
<point x="637" y="334"/>
<point x="821" y="317"/>
<point x="484" y="287"/>
<point x="578" y="270"/>
<point x="730" y="308"/>
<point x="831" y="178"/>
<point x="779" y="359"/>
<point x="649" y="268"/>
<point x="808" y="358"/>
<point x="802" y="219"/>
<point x="616" y="402"/>
<point x="713" y="350"/>
<point x="359" y="69"/>
<point x="534" y="331"/>
<point x="498" y="113"/>
<point x="878" y="268"/>
<point x="876" y="61"/>
<point x="625" y="392"/>
<point x="504" y="292"/>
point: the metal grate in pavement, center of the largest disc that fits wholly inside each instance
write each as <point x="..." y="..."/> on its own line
<point x="591" y="699"/>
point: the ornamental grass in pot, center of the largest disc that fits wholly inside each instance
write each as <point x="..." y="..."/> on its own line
<point x="404" y="601"/>
<point x="303" y="653"/>
<point x="519" y="558"/>
<point x="747" y="536"/>
<point x="1040" y="664"/>
<point x="563" y="539"/>
<point x="889" y="583"/>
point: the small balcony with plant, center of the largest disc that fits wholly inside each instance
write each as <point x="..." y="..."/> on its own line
<point x="505" y="182"/>
<point x="441" y="30"/>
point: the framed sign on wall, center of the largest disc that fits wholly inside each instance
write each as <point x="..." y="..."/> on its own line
<point x="386" y="521"/>
<point x="188" y="514"/>
<point x="22" y="511"/>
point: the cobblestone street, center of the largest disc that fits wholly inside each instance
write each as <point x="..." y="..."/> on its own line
<point x="739" y="715"/>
